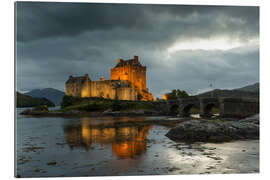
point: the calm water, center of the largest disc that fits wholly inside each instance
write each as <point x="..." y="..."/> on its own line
<point x="100" y="146"/>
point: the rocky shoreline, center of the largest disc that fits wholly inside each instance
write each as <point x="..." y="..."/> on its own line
<point x="218" y="130"/>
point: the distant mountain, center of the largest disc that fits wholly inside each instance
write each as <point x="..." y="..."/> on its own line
<point x="28" y="101"/>
<point x="250" y="88"/>
<point x="53" y="95"/>
<point x="250" y="91"/>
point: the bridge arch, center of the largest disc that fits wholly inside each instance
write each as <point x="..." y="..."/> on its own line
<point x="206" y="106"/>
<point x="174" y="109"/>
<point x="185" y="110"/>
<point x="207" y="109"/>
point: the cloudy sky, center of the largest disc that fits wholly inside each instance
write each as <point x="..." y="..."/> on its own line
<point x="183" y="47"/>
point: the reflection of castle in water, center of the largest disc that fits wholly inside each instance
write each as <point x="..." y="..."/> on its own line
<point x="126" y="141"/>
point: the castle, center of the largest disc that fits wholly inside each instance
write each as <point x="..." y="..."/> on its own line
<point x="128" y="82"/>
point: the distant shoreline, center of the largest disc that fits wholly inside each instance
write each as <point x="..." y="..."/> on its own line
<point x="29" y="112"/>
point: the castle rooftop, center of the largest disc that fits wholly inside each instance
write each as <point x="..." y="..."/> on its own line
<point x="133" y="62"/>
<point x="78" y="79"/>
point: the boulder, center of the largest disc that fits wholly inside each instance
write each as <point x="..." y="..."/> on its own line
<point x="214" y="130"/>
<point x="252" y="119"/>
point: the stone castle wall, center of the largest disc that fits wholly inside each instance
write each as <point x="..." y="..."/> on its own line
<point x="107" y="89"/>
<point x="126" y="94"/>
<point x="103" y="89"/>
<point x="74" y="87"/>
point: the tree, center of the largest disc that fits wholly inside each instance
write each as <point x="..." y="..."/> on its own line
<point x="176" y="93"/>
<point x="69" y="100"/>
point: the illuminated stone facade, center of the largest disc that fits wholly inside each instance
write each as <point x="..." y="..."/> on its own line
<point x="131" y="70"/>
<point x="128" y="82"/>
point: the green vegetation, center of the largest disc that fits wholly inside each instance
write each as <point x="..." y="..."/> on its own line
<point x="84" y="104"/>
<point x="69" y="101"/>
<point x="43" y="108"/>
<point x="176" y="93"/>
<point x="28" y="101"/>
<point x="99" y="104"/>
<point x="131" y="105"/>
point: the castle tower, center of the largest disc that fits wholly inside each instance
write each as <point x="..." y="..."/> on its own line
<point x="132" y="71"/>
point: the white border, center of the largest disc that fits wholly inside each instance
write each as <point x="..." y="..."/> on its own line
<point x="7" y="86"/>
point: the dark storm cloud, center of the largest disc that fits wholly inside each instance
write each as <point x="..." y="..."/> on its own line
<point x="42" y="20"/>
<point x="55" y="40"/>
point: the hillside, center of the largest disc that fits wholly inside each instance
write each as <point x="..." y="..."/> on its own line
<point x="51" y="94"/>
<point x="250" y="88"/>
<point x="28" y="101"/>
<point x="250" y="91"/>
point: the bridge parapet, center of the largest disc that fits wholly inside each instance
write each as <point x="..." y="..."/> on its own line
<point x="238" y="107"/>
<point x="228" y="107"/>
<point x="188" y="100"/>
<point x="208" y="100"/>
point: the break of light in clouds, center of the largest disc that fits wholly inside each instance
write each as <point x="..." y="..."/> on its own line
<point x="219" y="43"/>
<point x="184" y="47"/>
<point x="204" y="44"/>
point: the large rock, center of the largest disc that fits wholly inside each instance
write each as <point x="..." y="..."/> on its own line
<point x="215" y="130"/>
<point x="252" y="119"/>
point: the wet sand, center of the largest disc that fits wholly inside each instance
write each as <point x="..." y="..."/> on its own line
<point x="54" y="146"/>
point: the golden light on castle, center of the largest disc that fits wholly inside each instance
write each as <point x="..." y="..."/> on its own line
<point x="128" y="82"/>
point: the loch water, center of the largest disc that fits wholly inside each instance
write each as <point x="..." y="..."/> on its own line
<point x="106" y="146"/>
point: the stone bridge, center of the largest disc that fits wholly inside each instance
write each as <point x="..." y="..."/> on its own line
<point x="228" y="107"/>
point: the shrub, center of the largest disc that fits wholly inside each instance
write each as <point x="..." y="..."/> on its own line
<point x="116" y="106"/>
<point x="41" y="108"/>
<point x="176" y="93"/>
<point x="70" y="100"/>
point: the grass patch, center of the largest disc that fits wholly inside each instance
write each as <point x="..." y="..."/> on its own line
<point x="99" y="104"/>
